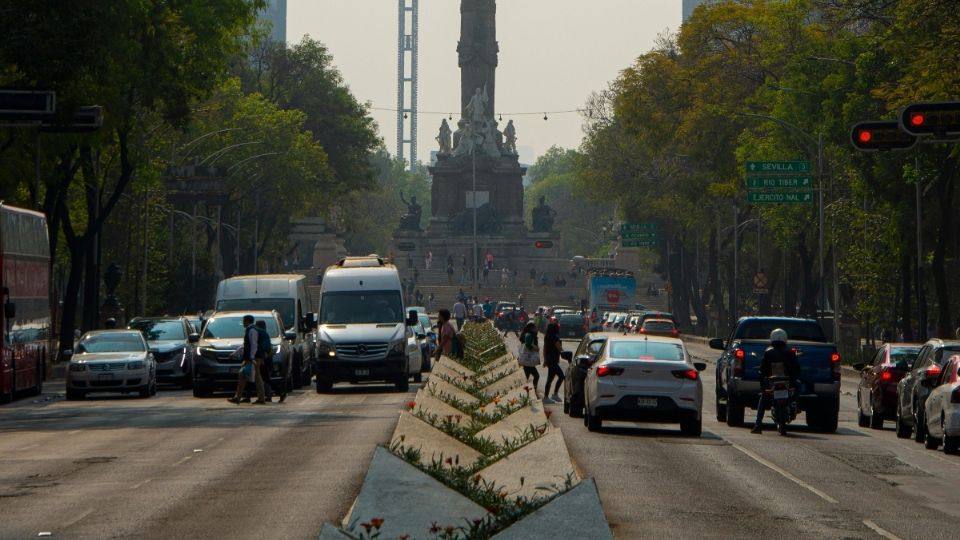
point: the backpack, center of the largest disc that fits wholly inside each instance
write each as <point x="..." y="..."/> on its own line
<point x="264" y="347"/>
<point x="459" y="344"/>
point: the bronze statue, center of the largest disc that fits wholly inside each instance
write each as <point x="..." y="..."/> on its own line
<point x="543" y="216"/>
<point x="411" y="221"/>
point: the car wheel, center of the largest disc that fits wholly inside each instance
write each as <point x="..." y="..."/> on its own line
<point x="951" y="445"/>
<point x="692" y="427"/>
<point x="594" y="423"/>
<point x="75" y="395"/>
<point x="862" y="419"/>
<point x="919" y="431"/>
<point x="931" y="443"/>
<point x="735" y="412"/>
<point x="323" y="385"/>
<point x="144" y="391"/>
<point x="903" y="430"/>
<point x="876" y="420"/>
<point x="721" y="411"/>
<point x="576" y="410"/>
<point x="296" y="378"/>
<point x="402" y="384"/>
<point x="418" y="378"/>
<point x="153" y="388"/>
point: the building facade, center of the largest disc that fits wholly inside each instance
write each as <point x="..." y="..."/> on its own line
<point x="275" y="14"/>
<point x="688" y="7"/>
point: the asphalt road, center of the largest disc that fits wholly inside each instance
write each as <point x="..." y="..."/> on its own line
<point x="857" y="483"/>
<point x="179" y="467"/>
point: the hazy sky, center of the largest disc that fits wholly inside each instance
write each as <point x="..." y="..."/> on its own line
<point x="553" y="53"/>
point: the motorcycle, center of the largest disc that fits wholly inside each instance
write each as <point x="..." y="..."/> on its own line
<point x="784" y="404"/>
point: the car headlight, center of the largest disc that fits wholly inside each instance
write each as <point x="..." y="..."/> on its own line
<point x="78" y="367"/>
<point x="276" y="350"/>
<point x="327" y="349"/>
<point x="399" y="347"/>
<point x="135" y="365"/>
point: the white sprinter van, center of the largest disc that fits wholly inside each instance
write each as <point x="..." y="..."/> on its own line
<point x="289" y="296"/>
<point x="363" y="335"/>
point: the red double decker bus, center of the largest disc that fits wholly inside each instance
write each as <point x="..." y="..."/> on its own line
<point x="25" y="285"/>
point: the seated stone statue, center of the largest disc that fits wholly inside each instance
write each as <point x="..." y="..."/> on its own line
<point x="411" y="220"/>
<point x="543" y="216"/>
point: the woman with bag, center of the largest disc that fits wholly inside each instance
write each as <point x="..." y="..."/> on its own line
<point x="552" y="347"/>
<point x="447" y="335"/>
<point x="529" y="354"/>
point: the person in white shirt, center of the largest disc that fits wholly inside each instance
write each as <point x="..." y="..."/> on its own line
<point x="459" y="313"/>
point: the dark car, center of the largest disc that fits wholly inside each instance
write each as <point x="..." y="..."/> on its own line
<point x="572" y="326"/>
<point x="580" y="361"/>
<point x="172" y="341"/>
<point x="502" y="312"/>
<point x="912" y="394"/>
<point x="877" y="393"/>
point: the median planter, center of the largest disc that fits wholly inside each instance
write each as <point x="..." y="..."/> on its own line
<point x="478" y="431"/>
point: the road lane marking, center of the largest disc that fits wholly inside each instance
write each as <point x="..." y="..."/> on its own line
<point x="880" y="530"/>
<point x="78" y="518"/>
<point x="74" y="432"/>
<point x="139" y="485"/>
<point x="28" y="447"/>
<point x="785" y="474"/>
<point x="182" y="461"/>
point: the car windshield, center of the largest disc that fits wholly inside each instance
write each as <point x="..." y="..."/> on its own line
<point x="284" y="306"/>
<point x="796" y="330"/>
<point x="160" y="330"/>
<point x="232" y="327"/>
<point x="658" y="326"/>
<point x="361" y="307"/>
<point x="111" y="343"/>
<point x="646" y="350"/>
<point x="904" y="354"/>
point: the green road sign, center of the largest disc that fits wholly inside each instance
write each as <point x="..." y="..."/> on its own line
<point x="755" y="182"/>
<point x="639" y="236"/>
<point x="627" y="228"/>
<point x="784" y="197"/>
<point x="639" y="243"/>
<point x="778" y="167"/>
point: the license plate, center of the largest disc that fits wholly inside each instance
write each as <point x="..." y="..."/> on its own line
<point x="647" y="403"/>
<point x="105" y="377"/>
<point x="781" y="394"/>
<point x="362" y="372"/>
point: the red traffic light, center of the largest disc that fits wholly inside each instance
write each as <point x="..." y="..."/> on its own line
<point x="879" y="136"/>
<point x="940" y="120"/>
<point x="543" y="244"/>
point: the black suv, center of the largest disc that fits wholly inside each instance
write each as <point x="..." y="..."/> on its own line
<point x="172" y="340"/>
<point x="912" y="395"/>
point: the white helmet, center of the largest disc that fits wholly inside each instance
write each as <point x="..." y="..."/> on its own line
<point x="778" y="335"/>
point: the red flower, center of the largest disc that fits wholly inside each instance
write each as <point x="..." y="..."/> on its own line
<point x="548" y="412"/>
<point x="367" y="527"/>
<point x="411" y="405"/>
<point x="476" y="479"/>
<point x="449" y="461"/>
<point x="376" y="522"/>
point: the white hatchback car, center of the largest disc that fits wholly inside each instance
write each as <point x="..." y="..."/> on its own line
<point x="112" y="361"/>
<point x="644" y="379"/>
<point x="942" y="409"/>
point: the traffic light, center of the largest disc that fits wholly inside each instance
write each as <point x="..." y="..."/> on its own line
<point x="84" y="120"/>
<point x="26" y="104"/>
<point x="940" y="120"/>
<point x="878" y="136"/>
<point x="543" y="244"/>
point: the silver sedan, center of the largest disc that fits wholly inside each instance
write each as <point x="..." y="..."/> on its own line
<point x="644" y="379"/>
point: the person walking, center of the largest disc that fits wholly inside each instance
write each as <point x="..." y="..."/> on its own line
<point x="446" y="335"/>
<point x="486" y="276"/>
<point x="429" y="260"/>
<point x="249" y="356"/>
<point x="430" y="301"/>
<point x="504" y="277"/>
<point x="464" y="270"/>
<point x="459" y="313"/>
<point x="533" y="277"/>
<point x="552" y="347"/>
<point x="528" y="356"/>
<point x="418" y="296"/>
<point x="510" y="323"/>
<point x="266" y="365"/>
<point x="450" y="273"/>
<point x="539" y="319"/>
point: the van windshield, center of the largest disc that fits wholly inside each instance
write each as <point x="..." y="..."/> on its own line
<point x="284" y="306"/>
<point x="361" y="307"/>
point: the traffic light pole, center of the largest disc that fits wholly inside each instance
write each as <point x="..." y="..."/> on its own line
<point x="823" y="289"/>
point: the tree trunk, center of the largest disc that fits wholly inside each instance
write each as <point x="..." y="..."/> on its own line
<point x="906" y="310"/>
<point x="808" y="303"/>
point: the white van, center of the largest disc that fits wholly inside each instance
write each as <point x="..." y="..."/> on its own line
<point x="362" y="334"/>
<point x="288" y="295"/>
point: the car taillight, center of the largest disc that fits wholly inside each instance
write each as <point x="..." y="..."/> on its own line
<point x="642" y="331"/>
<point x="675" y="332"/>
<point x="603" y="371"/>
<point x="886" y="376"/>
<point x="933" y="371"/>
<point x="739" y="356"/>
<point x="835" y="364"/>
<point x="835" y="358"/>
<point x="691" y="374"/>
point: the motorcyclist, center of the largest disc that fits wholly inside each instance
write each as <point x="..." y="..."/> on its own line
<point x="778" y="361"/>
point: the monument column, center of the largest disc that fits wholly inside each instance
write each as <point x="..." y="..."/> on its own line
<point x="478" y="50"/>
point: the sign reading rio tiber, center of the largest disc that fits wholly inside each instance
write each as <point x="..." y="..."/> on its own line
<point x="778" y="176"/>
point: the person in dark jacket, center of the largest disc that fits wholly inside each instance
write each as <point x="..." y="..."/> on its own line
<point x="778" y="361"/>
<point x="250" y="354"/>
<point x="266" y="364"/>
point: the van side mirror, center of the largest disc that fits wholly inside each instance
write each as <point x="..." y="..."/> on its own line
<point x="700" y="366"/>
<point x="718" y="344"/>
<point x="9" y="310"/>
<point x="193" y="338"/>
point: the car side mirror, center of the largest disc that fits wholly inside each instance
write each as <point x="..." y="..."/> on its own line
<point x="290" y="336"/>
<point x="860" y="366"/>
<point x="700" y="366"/>
<point x="902" y="366"/>
<point x="9" y="310"/>
<point x="193" y="338"/>
<point x="718" y="344"/>
<point x="567" y="355"/>
<point x="584" y="361"/>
